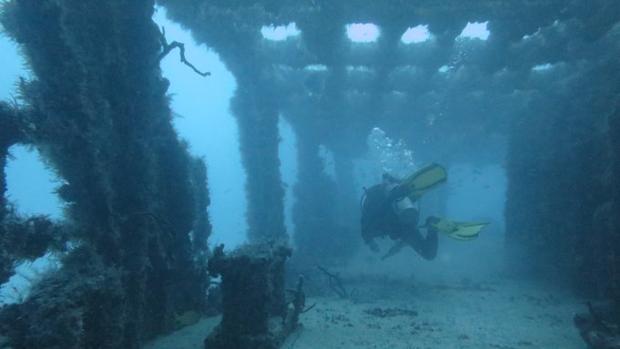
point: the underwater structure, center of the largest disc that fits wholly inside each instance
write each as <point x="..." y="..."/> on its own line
<point x="447" y="97"/>
<point x="540" y="95"/>
<point x="260" y="318"/>
<point x="97" y="111"/>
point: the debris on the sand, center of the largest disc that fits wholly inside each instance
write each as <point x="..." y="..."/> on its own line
<point x="465" y="287"/>
<point x="525" y="343"/>
<point x="390" y="312"/>
<point x="598" y="326"/>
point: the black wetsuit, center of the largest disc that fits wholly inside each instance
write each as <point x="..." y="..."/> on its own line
<point x="380" y="218"/>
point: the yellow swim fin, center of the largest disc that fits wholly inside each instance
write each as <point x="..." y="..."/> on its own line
<point x="425" y="179"/>
<point x="458" y="230"/>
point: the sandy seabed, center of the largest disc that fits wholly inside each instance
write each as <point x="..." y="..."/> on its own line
<point x="503" y="314"/>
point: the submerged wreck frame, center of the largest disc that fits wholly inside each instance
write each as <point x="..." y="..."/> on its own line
<point x="256" y="310"/>
<point x="97" y="111"/>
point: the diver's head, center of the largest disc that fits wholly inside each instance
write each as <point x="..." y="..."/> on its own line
<point x="387" y="178"/>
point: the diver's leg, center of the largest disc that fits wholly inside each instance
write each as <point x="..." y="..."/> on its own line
<point x="424" y="246"/>
<point x="409" y="233"/>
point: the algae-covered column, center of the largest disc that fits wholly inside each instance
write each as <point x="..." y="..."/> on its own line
<point x="316" y="233"/>
<point x="556" y="186"/>
<point x="9" y="135"/>
<point x="256" y="109"/>
<point x="100" y="117"/>
<point x="613" y="258"/>
<point x="536" y="211"/>
<point x="348" y="209"/>
<point x="233" y="30"/>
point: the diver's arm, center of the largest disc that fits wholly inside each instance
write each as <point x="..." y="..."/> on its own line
<point x="398" y="192"/>
<point x="369" y="239"/>
<point x="372" y="244"/>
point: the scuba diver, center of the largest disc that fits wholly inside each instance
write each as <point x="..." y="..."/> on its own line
<point x="388" y="210"/>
